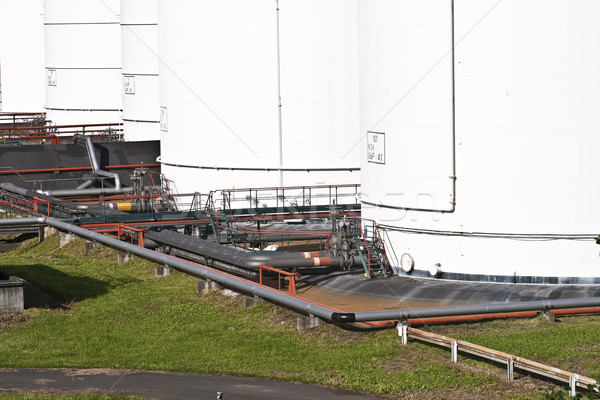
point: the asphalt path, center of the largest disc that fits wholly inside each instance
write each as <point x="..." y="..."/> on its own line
<point x="161" y="385"/>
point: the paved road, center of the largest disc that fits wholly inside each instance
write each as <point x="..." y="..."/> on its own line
<point x="161" y="385"/>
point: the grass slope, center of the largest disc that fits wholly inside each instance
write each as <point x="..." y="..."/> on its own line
<point x="93" y="313"/>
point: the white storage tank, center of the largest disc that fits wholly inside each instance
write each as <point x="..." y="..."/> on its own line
<point x="258" y="93"/>
<point x="479" y="159"/>
<point x="21" y="56"/>
<point x="83" y="61"/>
<point x="139" y="38"/>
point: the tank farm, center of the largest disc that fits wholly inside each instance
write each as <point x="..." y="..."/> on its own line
<point x="374" y="164"/>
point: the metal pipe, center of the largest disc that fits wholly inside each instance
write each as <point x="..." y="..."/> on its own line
<point x="244" y="259"/>
<point x="94" y="161"/>
<point x="69" y="169"/>
<point x="88" y="192"/>
<point x="302" y="305"/>
<point x="93" y="209"/>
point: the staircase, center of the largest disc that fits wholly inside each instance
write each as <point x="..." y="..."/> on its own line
<point x="367" y="241"/>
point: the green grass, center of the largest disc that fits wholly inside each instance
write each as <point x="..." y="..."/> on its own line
<point x="121" y="316"/>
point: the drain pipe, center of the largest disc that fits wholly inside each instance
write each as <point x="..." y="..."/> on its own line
<point x="298" y="304"/>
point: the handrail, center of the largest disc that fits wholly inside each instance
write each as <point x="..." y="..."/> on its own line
<point x="291" y="275"/>
<point x="366" y="245"/>
<point x="55" y="127"/>
<point x="498" y="356"/>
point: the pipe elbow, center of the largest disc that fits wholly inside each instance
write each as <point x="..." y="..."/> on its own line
<point x="343" y="317"/>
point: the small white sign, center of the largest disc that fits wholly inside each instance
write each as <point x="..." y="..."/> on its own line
<point x="163" y="119"/>
<point x="376" y="147"/>
<point x="129" y="84"/>
<point x="51" y="77"/>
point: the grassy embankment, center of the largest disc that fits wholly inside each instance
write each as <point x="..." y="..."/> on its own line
<point x="90" y="312"/>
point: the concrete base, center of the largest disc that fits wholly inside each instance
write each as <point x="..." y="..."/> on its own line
<point x="48" y="230"/>
<point x="11" y="294"/>
<point x="125" y="257"/>
<point x="206" y="287"/>
<point x="163" y="270"/>
<point x="548" y="316"/>
<point x="66" y="238"/>
<point x="89" y="245"/>
<point x="252" y="301"/>
<point x="308" y="322"/>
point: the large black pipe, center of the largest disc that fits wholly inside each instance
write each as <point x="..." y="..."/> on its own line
<point x="240" y="258"/>
<point x="299" y="304"/>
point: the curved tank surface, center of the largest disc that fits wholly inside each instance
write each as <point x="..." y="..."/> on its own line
<point x="256" y="93"/>
<point x="21" y="56"/>
<point x="83" y="61"/>
<point x="139" y="44"/>
<point x="480" y="137"/>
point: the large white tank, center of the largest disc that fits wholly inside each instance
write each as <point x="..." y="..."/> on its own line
<point x="21" y="56"/>
<point x="139" y="38"/>
<point x="480" y="160"/>
<point x="224" y="67"/>
<point x="83" y="61"/>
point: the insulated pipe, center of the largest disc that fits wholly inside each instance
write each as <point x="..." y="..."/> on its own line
<point x="298" y="304"/>
<point x="94" y="161"/>
<point x="88" y="192"/>
<point x="244" y="259"/>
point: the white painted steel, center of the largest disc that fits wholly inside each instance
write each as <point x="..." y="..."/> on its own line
<point x="139" y="38"/>
<point x="83" y="61"/>
<point x="22" y="56"/>
<point x="404" y="43"/>
<point x="219" y="87"/>
<point x="527" y="90"/>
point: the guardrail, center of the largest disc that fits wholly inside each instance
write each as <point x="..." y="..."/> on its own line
<point x="290" y="275"/>
<point x="510" y="360"/>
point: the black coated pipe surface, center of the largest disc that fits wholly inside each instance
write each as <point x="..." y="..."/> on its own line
<point x="240" y="258"/>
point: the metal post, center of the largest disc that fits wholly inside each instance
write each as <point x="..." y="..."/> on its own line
<point x="511" y="367"/>
<point x="454" y="351"/>
<point x="403" y="331"/>
<point x="573" y="385"/>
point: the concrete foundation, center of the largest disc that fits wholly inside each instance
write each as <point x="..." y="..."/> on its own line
<point x="308" y="322"/>
<point x="163" y="270"/>
<point x="89" y="245"/>
<point x="206" y="287"/>
<point x="548" y="316"/>
<point x="66" y="238"/>
<point x="48" y="230"/>
<point x="125" y="257"/>
<point x="252" y="301"/>
<point x="11" y="294"/>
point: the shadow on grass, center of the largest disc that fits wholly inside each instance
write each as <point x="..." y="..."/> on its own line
<point x="10" y="242"/>
<point x="48" y="287"/>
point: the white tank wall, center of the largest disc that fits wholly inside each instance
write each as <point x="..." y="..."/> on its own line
<point x="219" y="87"/>
<point x="139" y="38"/>
<point x="83" y="61"/>
<point x="526" y="137"/>
<point x="22" y="75"/>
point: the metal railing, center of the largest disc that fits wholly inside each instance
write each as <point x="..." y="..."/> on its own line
<point x="40" y="134"/>
<point x="512" y="362"/>
<point x="291" y="276"/>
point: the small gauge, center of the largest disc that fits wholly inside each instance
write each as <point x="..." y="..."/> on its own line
<point x="406" y="262"/>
